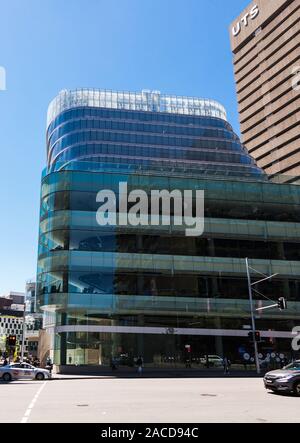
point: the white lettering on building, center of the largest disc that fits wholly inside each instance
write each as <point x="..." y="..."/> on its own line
<point x="252" y="14"/>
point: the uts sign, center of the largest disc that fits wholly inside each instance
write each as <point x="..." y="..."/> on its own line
<point x="252" y="14"/>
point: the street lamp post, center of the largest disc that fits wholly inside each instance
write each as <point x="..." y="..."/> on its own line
<point x="281" y="304"/>
<point x="23" y="333"/>
<point x="252" y="319"/>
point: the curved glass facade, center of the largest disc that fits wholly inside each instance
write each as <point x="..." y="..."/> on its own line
<point x="116" y="292"/>
<point x="96" y="134"/>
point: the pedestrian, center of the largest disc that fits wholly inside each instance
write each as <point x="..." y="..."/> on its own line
<point x="49" y="365"/>
<point x="226" y="365"/>
<point x="188" y="363"/>
<point x="113" y="364"/>
<point x="139" y="363"/>
<point x="5" y="363"/>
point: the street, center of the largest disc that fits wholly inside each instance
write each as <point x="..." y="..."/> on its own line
<point x="96" y="400"/>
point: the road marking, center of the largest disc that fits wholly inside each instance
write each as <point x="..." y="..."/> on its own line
<point x="32" y="403"/>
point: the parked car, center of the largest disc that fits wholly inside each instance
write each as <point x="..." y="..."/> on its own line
<point x="284" y="380"/>
<point x="213" y="360"/>
<point x="22" y="371"/>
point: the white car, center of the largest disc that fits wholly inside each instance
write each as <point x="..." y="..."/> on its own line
<point x="23" y="371"/>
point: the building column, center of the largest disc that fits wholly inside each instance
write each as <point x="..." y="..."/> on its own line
<point x="63" y="341"/>
<point x="214" y="280"/>
<point x="281" y="256"/>
<point x="218" y="339"/>
<point x="140" y="337"/>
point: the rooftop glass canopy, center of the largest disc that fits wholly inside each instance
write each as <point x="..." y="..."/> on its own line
<point x="146" y="100"/>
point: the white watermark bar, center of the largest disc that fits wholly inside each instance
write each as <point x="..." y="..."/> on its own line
<point x="170" y="331"/>
<point x="2" y="79"/>
<point x="152" y="210"/>
<point x="296" y="339"/>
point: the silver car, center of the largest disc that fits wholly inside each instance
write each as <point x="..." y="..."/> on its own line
<point x="286" y="379"/>
<point x="23" y="371"/>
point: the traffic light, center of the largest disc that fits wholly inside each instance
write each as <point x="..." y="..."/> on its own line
<point x="188" y="348"/>
<point x="254" y="336"/>
<point x="282" y="304"/>
<point x="12" y="340"/>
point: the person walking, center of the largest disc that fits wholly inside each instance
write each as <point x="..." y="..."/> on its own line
<point x="226" y="365"/>
<point x="139" y="363"/>
<point x="188" y="363"/>
<point x="113" y="364"/>
<point x="49" y="365"/>
<point x="36" y="362"/>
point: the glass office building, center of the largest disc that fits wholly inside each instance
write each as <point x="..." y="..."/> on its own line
<point x="117" y="292"/>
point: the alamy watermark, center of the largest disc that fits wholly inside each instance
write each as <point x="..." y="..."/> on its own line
<point x="296" y="339"/>
<point x="296" y="78"/>
<point x="161" y="207"/>
<point x="2" y="79"/>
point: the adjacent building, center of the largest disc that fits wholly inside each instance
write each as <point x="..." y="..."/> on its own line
<point x="117" y="292"/>
<point x="11" y="318"/>
<point x="33" y="320"/>
<point x="265" y="41"/>
<point x="30" y="297"/>
<point x="12" y="304"/>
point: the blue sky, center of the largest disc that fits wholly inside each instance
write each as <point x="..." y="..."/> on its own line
<point x="175" y="46"/>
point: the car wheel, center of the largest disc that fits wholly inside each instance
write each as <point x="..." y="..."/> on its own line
<point x="297" y="388"/>
<point x="40" y="376"/>
<point x="6" y="376"/>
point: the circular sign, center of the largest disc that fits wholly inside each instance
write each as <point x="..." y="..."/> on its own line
<point x="273" y="355"/>
<point x="246" y="356"/>
<point x="260" y="356"/>
<point x="282" y="356"/>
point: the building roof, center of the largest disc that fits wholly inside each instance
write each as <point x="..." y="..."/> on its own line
<point x="146" y="100"/>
